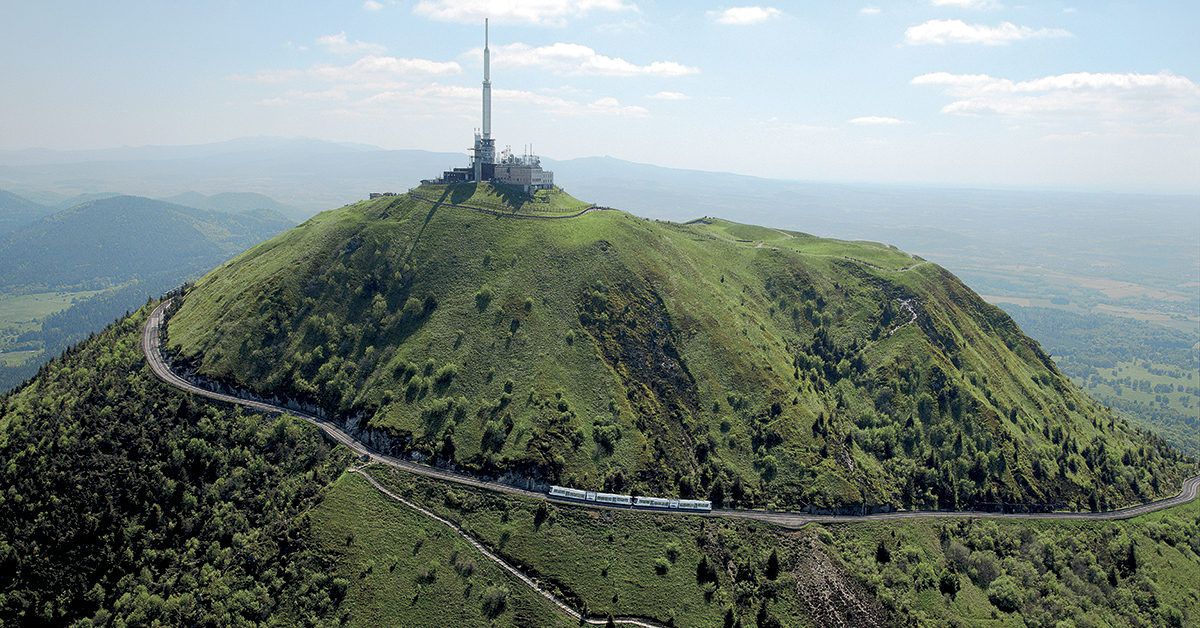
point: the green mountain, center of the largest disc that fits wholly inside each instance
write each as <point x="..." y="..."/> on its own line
<point x="16" y="211"/>
<point x="749" y="365"/>
<point x="235" y="202"/>
<point x="125" y="501"/>
<point x="113" y="240"/>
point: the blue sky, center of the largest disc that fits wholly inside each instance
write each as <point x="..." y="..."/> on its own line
<point x="1084" y="95"/>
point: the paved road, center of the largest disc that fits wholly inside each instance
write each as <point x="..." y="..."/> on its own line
<point x="150" y="346"/>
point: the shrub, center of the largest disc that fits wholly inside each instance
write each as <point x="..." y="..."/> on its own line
<point x="672" y="550"/>
<point x="483" y="298"/>
<point x="661" y="566"/>
<point x="428" y="572"/>
<point x="464" y="565"/>
<point x="495" y="599"/>
<point x="1004" y="594"/>
<point x="411" y="309"/>
<point x="984" y="568"/>
<point x="446" y="373"/>
<point x="606" y="436"/>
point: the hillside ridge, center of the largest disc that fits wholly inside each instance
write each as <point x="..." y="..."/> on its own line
<point x="611" y="352"/>
<point x="151" y="347"/>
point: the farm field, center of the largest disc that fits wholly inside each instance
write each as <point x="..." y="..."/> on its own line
<point x="21" y="313"/>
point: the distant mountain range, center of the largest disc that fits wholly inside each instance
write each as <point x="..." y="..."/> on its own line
<point x="16" y="211"/>
<point x="129" y="247"/>
<point x="308" y="174"/>
<point x="1081" y="252"/>
<point x="110" y="241"/>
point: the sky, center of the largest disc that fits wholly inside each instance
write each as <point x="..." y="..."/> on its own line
<point x="1089" y="95"/>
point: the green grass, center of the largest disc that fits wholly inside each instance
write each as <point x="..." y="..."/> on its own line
<point x="15" y="358"/>
<point x="1074" y="569"/>
<point x="625" y="562"/>
<point x="605" y="561"/>
<point x="611" y="351"/>
<point x="881" y="255"/>
<point x="505" y="199"/>
<point x="25" y="309"/>
<point x="1149" y="384"/>
<point x="404" y="569"/>
<point x="21" y="314"/>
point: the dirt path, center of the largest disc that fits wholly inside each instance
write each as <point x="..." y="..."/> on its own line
<point x="517" y="573"/>
<point x="152" y="350"/>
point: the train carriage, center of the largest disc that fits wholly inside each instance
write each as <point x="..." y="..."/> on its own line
<point x="651" y="502"/>
<point x="613" y="499"/>
<point x="568" y="493"/>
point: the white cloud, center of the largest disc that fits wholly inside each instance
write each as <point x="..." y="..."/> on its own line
<point x="372" y="68"/>
<point x="741" y="16"/>
<point x="1121" y="99"/>
<point x="869" y="10"/>
<point x="270" y="76"/>
<point x="669" y="96"/>
<point x="372" y="5"/>
<point x="959" y="32"/>
<point x="611" y="107"/>
<point x="536" y="12"/>
<point x="445" y="100"/>
<point x="576" y="59"/>
<point x="877" y="121"/>
<point x="967" y="4"/>
<point x="371" y="72"/>
<point x="776" y="124"/>
<point x="339" y="45"/>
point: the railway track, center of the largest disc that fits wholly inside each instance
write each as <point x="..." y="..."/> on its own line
<point x="152" y="350"/>
<point x="150" y="346"/>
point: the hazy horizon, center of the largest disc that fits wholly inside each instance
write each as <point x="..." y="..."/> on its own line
<point x="972" y="93"/>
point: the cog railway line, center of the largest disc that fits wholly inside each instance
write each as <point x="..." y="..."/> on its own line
<point x="152" y="350"/>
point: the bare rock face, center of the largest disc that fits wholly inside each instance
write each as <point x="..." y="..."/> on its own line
<point x="830" y="593"/>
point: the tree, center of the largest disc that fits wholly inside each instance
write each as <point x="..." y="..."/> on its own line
<point x="773" y="565"/>
<point x="1003" y="592"/>
<point x="882" y="553"/>
<point x="448" y="447"/>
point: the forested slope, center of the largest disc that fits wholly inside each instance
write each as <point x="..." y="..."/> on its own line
<point x="106" y="242"/>
<point x="125" y="501"/>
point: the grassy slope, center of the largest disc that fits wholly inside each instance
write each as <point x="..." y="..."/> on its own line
<point x="506" y="199"/>
<point x="932" y="572"/>
<point x="405" y="569"/>
<point x="708" y="358"/>
<point x="627" y="563"/>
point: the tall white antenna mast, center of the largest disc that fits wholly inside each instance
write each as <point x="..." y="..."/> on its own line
<point x="487" y="85"/>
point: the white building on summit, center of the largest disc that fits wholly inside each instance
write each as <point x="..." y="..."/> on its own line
<point x="524" y="172"/>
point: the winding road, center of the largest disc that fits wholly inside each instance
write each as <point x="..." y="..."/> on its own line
<point x="150" y="346"/>
<point x="153" y="352"/>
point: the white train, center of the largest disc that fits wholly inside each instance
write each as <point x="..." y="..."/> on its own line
<point x="625" y="500"/>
